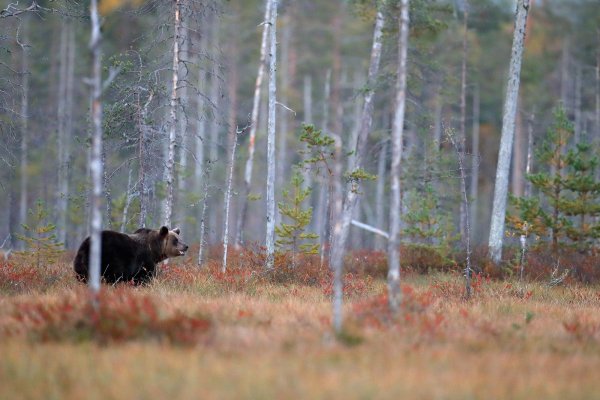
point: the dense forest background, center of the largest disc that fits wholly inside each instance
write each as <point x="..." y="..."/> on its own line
<point x="324" y="49"/>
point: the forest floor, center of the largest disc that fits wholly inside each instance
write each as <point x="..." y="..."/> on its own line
<point x="199" y="334"/>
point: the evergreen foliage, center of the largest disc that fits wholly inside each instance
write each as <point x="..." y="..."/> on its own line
<point x="40" y="241"/>
<point x="292" y="236"/>
<point x="569" y="191"/>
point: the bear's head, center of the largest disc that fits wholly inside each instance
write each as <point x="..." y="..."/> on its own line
<point x="172" y="246"/>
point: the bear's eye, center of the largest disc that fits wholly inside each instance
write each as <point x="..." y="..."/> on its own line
<point x="174" y="242"/>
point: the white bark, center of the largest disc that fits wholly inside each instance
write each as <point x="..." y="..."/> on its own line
<point x="344" y="205"/>
<point x="24" y="122"/>
<point x="463" y="112"/>
<point x="475" y="160"/>
<point x="380" y="192"/>
<point x="270" y="239"/>
<point x="61" y="200"/>
<point x="201" y="129"/>
<point x="308" y="119"/>
<point x="397" y="132"/>
<point x="282" y="165"/>
<point x="518" y="158"/>
<point x="254" y="124"/>
<point x="143" y="158"/>
<point x="96" y="166"/>
<point x="370" y="228"/>
<point x="496" y="236"/>
<point x="169" y="171"/>
<point x="529" y="165"/>
<point x="228" y="200"/>
<point x="128" y="197"/>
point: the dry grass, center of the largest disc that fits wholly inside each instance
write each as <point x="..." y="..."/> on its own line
<point x="271" y="338"/>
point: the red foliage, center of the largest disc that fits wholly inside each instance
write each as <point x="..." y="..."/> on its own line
<point x="121" y="315"/>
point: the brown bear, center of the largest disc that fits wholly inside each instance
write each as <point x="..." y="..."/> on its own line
<point x="131" y="257"/>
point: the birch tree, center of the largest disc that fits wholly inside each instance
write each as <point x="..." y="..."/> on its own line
<point x="463" y="110"/>
<point x="496" y="236"/>
<point x="270" y="239"/>
<point x="96" y="153"/>
<point x="169" y="170"/>
<point x="254" y="125"/>
<point x="343" y="216"/>
<point x="397" y="132"/>
<point x="24" y="119"/>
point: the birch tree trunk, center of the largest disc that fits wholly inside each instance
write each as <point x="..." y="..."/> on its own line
<point x="169" y="171"/>
<point x="397" y="131"/>
<point x="184" y="140"/>
<point x="270" y="239"/>
<point x="323" y="205"/>
<point x="475" y="160"/>
<point x="24" y="177"/>
<point x="96" y="153"/>
<point x="254" y="125"/>
<point x="199" y="175"/>
<point x="228" y="199"/>
<point x="463" y="111"/>
<point x="143" y="158"/>
<point x="379" y="195"/>
<point x="496" y="236"/>
<point x="344" y="205"/>
<point x="128" y="198"/>
<point x="61" y="200"/>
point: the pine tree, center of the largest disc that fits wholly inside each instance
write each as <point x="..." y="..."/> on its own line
<point x="583" y="205"/>
<point x="569" y="191"/>
<point x="41" y="245"/>
<point x="293" y="235"/>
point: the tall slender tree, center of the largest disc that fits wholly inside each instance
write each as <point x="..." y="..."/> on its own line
<point x="254" y="124"/>
<point x="345" y="209"/>
<point x="270" y="239"/>
<point x="96" y="166"/>
<point x="397" y="133"/>
<point x="496" y="236"/>
<point x="169" y="170"/>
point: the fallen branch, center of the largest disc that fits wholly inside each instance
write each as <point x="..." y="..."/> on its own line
<point x="370" y="229"/>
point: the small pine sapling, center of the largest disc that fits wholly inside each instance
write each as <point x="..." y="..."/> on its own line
<point x="40" y="241"/>
<point x="293" y="236"/>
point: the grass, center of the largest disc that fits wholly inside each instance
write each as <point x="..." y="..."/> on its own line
<point x="267" y="337"/>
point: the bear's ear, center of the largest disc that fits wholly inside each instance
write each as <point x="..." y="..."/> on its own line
<point x="177" y="230"/>
<point x="164" y="231"/>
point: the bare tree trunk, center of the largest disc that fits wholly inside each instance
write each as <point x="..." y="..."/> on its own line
<point x="379" y="195"/>
<point x="96" y="153"/>
<point x="308" y="119"/>
<point x="24" y="122"/>
<point x="397" y="130"/>
<point x="202" y="239"/>
<point x="199" y="173"/>
<point x="323" y="206"/>
<point x="254" y="125"/>
<point x="344" y="218"/>
<point x="184" y="97"/>
<point x="228" y="198"/>
<point x="437" y="124"/>
<point x="128" y="197"/>
<point x="61" y="200"/>
<point x="529" y="165"/>
<point x="169" y="171"/>
<point x="463" y="112"/>
<point x="70" y="92"/>
<point x="270" y="239"/>
<point x="143" y="158"/>
<point x="475" y="160"/>
<point x="518" y="158"/>
<point x="214" y="95"/>
<point x="496" y="236"/>
<point x="107" y="192"/>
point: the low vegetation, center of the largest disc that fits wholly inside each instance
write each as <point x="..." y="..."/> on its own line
<point x="246" y="334"/>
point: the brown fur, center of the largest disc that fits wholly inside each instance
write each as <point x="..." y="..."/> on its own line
<point x="131" y="257"/>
